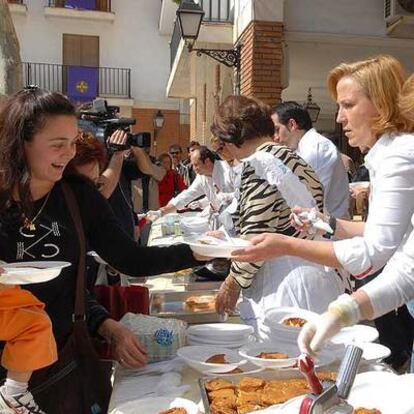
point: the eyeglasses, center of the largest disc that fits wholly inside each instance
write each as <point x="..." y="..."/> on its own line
<point x="174" y="152"/>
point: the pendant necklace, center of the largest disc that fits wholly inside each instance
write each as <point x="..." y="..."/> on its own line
<point x="29" y="224"/>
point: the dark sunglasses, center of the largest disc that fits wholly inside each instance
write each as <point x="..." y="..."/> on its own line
<point x="174" y="152"/>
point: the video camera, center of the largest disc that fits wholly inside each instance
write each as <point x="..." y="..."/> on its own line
<point x="102" y="122"/>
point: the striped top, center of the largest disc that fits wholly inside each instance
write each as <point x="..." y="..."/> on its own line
<point x="263" y="209"/>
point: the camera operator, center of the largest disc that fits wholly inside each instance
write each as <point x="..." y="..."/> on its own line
<point x="128" y="160"/>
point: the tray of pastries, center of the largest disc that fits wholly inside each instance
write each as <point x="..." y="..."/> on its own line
<point x="192" y="307"/>
<point x="244" y="394"/>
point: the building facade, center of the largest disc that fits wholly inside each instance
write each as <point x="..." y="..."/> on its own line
<point x="117" y="46"/>
<point x="288" y="46"/>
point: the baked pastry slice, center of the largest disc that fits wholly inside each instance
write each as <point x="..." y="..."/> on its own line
<point x="218" y="384"/>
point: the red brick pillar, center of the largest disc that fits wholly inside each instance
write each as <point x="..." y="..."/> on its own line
<point x="261" y="61"/>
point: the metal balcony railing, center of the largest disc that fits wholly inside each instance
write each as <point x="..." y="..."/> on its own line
<point x="111" y="82"/>
<point x="97" y="5"/>
<point x="217" y="11"/>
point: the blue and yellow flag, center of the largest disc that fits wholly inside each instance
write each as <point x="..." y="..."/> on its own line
<point x="82" y="83"/>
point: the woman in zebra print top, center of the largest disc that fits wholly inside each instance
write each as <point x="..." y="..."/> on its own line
<point x="273" y="179"/>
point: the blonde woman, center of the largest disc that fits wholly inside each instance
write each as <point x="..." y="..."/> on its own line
<point x="368" y="94"/>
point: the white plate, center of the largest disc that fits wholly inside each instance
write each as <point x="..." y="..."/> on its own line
<point x="22" y="273"/>
<point x="364" y="184"/>
<point x="387" y="392"/>
<point x="355" y="333"/>
<point x="275" y="316"/>
<point x="155" y="405"/>
<point x="373" y="352"/>
<point x="325" y="357"/>
<point x="231" y="345"/>
<point x="227" y="331"/>
<point x="218" y="248"/>
<point x="250" y="352"/>
<point x="196" y="355"/>
<point x="194" y="225"/>
<point x="96" y="257"/>
<point x="247" y="368"/>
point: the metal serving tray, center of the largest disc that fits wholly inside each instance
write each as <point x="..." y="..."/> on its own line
<point x="280" y="374"/>
<point x="172" y="305"/>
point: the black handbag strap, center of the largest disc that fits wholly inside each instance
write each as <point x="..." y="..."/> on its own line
<point x="74" y="212"/>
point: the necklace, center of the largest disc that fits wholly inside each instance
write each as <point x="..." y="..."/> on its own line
<point x="29" y="224"/>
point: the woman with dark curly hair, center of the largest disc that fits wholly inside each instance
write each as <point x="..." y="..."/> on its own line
<point x="90" y="158"/>
<point x="273" y="180"/>
<point x="44" y="216"/>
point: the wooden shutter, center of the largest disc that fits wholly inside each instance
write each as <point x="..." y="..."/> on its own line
<point x="80" y="50"/>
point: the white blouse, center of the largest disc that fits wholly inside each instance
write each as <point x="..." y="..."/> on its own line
<point x="395" y="285"/>
<point x="391" y="166"/>
<point x="218" y="189"/>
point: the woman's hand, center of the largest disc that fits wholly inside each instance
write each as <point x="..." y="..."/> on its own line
<point x="153" y="215"/>
<point x="359" y="191"/>
<point x="304" y="225"/>
<point x="316" y="333"/>
<point x="227" y="296"/>
<point x="264" y="247"/>
<point x="126" y="348"/>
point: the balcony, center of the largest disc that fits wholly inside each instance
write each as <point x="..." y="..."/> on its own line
<point x="216" y="31"/>
<point x="110" y="82"/>
<point x="80" y="9"/>
<point x="17" y="7"/>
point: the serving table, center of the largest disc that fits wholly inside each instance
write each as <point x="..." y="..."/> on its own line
<point x="126" y="383"/>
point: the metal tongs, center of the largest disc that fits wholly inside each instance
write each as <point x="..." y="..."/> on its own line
<point x="332" y="398"/>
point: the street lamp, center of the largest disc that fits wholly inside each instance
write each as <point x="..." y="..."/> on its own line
<point x="159" y="120"/>
<point x="312" y="107"/>
<point x="158" y="124"/>
<point x="190" y="16"/>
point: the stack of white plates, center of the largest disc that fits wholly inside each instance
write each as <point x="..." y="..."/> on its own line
<point x="274" y="318"/>
<point x="228" y="335"/>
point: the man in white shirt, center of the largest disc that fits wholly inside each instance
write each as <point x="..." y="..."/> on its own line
<point x="214" y="181"/>
<point x="293" y="128"/>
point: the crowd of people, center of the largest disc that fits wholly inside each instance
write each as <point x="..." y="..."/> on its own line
<point x="63" y="193"/>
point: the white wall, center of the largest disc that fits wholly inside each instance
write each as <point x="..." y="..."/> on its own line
<point x="356" y="17"/>
<point x="132" y="40"/>
<point x="320" y="34"/>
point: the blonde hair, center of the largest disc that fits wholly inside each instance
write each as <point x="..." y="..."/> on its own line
<point x="406" y="102"/>
<point x="381" y="78"/>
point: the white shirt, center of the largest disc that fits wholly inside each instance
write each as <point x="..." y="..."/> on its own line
<point x="395" y="285"/>
<point x="321" y="154"/>
<point x="218" y="188"/>
<point x="391" y="167"/>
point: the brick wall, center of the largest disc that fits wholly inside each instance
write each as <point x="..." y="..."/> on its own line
<point x="261" y="61"/>
<point x="171" y="133"/>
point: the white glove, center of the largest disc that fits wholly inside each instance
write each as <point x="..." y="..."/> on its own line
<point x="316" y="333"/>
<point x="316" y="222"/>
<point x="153" y="215"/>
<point x="344" y="311"/>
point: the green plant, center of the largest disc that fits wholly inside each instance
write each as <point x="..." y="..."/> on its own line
<point x="176" y="1"/>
